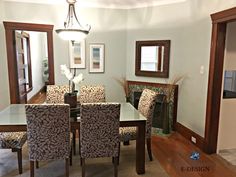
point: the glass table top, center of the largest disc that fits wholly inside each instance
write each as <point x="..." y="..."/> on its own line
<point x="15" y="114"/>
<point x="129" y="113"/>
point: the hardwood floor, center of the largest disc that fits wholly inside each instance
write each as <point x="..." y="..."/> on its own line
<point x="38" y="99"/>
<point x="174" y="153"/>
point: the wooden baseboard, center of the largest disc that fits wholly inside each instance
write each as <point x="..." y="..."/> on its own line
<point x="32" y="99"/>
<point x="188" y="134"/>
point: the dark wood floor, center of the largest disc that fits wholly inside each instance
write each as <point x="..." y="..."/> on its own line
<point x="38" y="99"/>
<point x="173" y="153"/>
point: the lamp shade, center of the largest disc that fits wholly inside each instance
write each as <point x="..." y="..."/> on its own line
<point x="73" y="31"/>
<point x="72" y="34"/>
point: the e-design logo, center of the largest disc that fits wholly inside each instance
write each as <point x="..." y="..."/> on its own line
<point x="195" y="156"/>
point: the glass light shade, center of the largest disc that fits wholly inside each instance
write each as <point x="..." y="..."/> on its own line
<point x="72" y="34"/>
<point x="73" y="30"/>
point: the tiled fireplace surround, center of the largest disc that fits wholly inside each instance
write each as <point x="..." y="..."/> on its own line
<point x="135" y="88"/>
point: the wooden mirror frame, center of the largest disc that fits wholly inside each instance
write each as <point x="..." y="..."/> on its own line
<point x="162" y="74"/>
<point x="10" y="27"/>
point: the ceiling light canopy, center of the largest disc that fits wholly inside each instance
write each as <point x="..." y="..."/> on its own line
<point x="73" y="30"/>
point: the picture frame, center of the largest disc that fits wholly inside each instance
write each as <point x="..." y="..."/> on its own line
<point x="77" y="54"/>
<point x="97" y="58"/>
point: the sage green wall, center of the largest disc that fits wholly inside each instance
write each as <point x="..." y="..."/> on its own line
<point x="4" y="91"/>
<point x="188" y="26"/>
<point x="108" y="27"/>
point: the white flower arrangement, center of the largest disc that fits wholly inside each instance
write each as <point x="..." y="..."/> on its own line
<point x="71" y="77"/>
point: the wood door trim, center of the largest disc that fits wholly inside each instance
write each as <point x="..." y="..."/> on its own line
<point x="10" y="27"/>
<point x="27" y="26"/>
<point x="219" y="25"/>
<point x="224" y="16"/>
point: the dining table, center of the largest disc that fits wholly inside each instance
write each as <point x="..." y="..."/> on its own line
<point x="13" y="119"/>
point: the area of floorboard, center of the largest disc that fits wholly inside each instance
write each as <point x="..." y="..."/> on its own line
<point x="38" y="99"/>
<point x="174" y="153"/>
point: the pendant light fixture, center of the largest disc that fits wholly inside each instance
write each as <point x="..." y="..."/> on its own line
<point x="73" y="30"/>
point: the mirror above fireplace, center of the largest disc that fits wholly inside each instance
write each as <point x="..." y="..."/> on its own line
<point x="152" y="58"/>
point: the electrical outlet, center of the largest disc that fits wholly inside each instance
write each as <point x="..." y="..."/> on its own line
<point x="193" y="139"/>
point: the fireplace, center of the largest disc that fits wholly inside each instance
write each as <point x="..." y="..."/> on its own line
<point x="162" y="89"/>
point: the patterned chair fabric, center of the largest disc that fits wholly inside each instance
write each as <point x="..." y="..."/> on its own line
<point x="146" y="108"/>
<point x="55" y="93"/>
<point x="12" y="140"/>
<point x="92" y="94"/>
<point x="48" y="130"/>
<point x="99" y="130"/>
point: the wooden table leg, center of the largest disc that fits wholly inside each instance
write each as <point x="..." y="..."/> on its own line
<point x="74" y="141"/>
<point x="140" y="148"/>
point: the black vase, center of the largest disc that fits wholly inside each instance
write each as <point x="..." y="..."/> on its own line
<point x="71" y="99"/>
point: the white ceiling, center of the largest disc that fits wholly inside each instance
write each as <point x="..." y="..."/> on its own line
<point x="119" y="4"/>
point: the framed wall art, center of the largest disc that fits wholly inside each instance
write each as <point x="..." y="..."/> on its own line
<point x="77" y="54"/>
<point x="97" y="58"/>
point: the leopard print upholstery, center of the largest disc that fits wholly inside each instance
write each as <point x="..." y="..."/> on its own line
<point x="99" y="130"/>
<point x="128" y="133"/>
<point x="146" y="108"/>
<point x="92" y="94"/>
<point x="55" y="93"/>
<point x="11" y="140"/>
<point x="48" y="131"/>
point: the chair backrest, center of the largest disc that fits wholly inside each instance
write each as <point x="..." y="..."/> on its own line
<point x="48" y="131"/>
<point x="146" y="107"/>
<point x="99" y="130"/>
<point x="92" y="94"/>
<point x="55" y="93"/>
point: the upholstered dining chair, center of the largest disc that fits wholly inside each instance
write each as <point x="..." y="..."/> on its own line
<point x="99" y="132"/>
<point x="92" y="94"/>
<point x="146" y="108"/>
<point x="48" y="131"/>
<point x="55" y="93"/>
<point x="14" y="141"/>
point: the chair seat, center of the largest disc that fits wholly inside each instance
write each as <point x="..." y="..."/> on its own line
<point x="128" y="133"/>
<point x="10" y="140"/>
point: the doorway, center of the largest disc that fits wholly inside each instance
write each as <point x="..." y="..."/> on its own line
<point x="10" y="29"/>
<point x="219" y="25"/>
